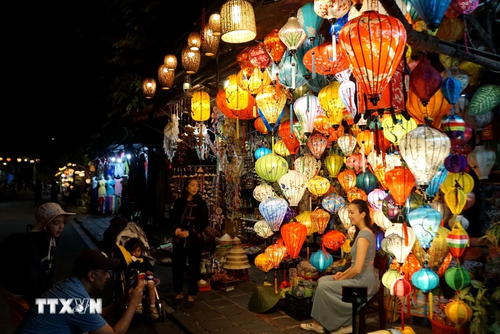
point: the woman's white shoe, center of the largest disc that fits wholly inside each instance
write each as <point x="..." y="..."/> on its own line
<point x="343" y="330"/>
<point x="312" y="327"/>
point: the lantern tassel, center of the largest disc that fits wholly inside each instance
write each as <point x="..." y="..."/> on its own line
<point x="293" y="76"/>
<point x="363" y="156"/>
<point x="238" y="127"/>
<point x="334" y="44"/>
<point x="291" y="119"/>
<point x="405" y="231"/>
<point x="313" y="69"/>
<point x="277" y="85"/>
<point x="275" y="281"/>
<point x="402" y="318"/>
<point x="254" y="109"/>
<point x="431" y="301"/>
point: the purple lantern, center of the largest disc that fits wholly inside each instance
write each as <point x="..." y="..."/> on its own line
<point x="389" y="207"/>
<point x="455" y="163"/>
<point x="290" y="213"/>
<point x="375" y="198"/>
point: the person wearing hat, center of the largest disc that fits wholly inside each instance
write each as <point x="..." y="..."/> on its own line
<point x="32" y="258"/>
<point x="90" y="273"/>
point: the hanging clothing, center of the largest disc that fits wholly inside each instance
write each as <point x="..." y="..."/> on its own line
<point x="118" y="187"/>
<point x="102" y="188"/>
<point x="119" y="169"/>
<point x="110" y="187"/>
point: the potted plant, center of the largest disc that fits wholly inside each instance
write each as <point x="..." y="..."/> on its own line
<point x="492" y="238"/>
<point x="483" y="302"/>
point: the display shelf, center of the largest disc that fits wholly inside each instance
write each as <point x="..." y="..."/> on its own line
<point x="249" y="220"/>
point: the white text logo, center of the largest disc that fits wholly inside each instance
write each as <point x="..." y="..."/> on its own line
<point x="69" y="306"/>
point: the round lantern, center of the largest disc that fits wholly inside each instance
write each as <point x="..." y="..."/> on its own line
<point x="274" y="46"/>
<point x="425" y="222"/>
<point x="236" y="97"/>
<point x="324" y="64"/>
<point x="262" y="229"/>
<point x="425" y="280"/>
<point x="400" y="287"/>
<point x="451" y="29"/>
<point x="293" y="184"/>
<point x="357" y="162"/>
<point x="367" y="181"/>
<point x="389" y="277"/>
<point x="309" y="20"/>
<point x="333" y="203"/>
<point x="263" y="191"/>
<point x="462" y="180"/>
<point x="320" y="219"/>
<point x="375" y="198"/>
<point x="307" y="108"/>
<point x="458" y="312"/>
<point x="200" y="106"/>
<point x="281" y="149"/>
<point x="252" y="80"/>
<point x="347" y="179"/>
<point x="271" y="167"/>
<point x="242" y="114"/>
<point x="317" y="144"/>
<point x="259" y="57"/>
<point x="454" y="127"/>
<point x="331" y="10"/>
<point x="237" y="22"/>
<point x="457" y="240"/>
<point x="321" y="260"/>
<point x="259" y="125"/>
<point x="307" y="165"/>
<point x="381" y="220"/>
<point x="394" y="130"/>
<point x="373" y="64"/>
<point x="276" y="252"/>
<point x="347" y="144"/>
<point x="148" y="87"/>
<point x="294" y="235"/>
<point x="323" y="124"/>
<point x="400" y="182"/>
<point x="263" y="262"/>
<point x="318" y="185"/>
<point x="273" y="210"/>
<point x="271" y="103"/>
<point x="455" y="163"/>
<point x="461" y="7"/>
<point x="190" y="60"/>
<point x="471" y="199"/>
<point x="356" y="193"/>
<point x="457" y="278"/>
<point x="292" y="34"/>
<point x="333" y="239"/>
<point x="481" y="161"/>
<point x="400" y="240"/>
<point x="333" y="163"/>
<point x="259" y="153"/>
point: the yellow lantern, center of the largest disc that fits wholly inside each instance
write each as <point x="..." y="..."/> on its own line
<point x="334" y="163"/>
<point x="474" y="70"/>
<point x="365" y="141"/>
<point x="320" y="219"/>
<point x="456" y="199"/>
<point x="171" y="62"/>
<point x="253" y="80"/>
<point x="271" y="167"/>
<point x="236" y="97"/>
<point x="318" y="185"/>
<point x="448" y="61"/>
<point x="281" y="149"/>
<point x="148" y="87"/>
<point x="165" y="77"/>
<point x="330" y="102"/>
<point x="346" y="247"/>
<point x="458" y="312"/>
<point x="305" y="218"/>
<point x="263" y="262"/>
<point x="432" y="112"/>
<point x="237" y="22"/>
<point x="395" y="131"/>
<point x="451" y="181"/>
<point x="194" y="41"/>
<point x="190" y="60"/>
<point x="209" y="42"/>
<point x="214" y="24"/>
<point x="200" y="106"/>
<point x="271" y="103"/>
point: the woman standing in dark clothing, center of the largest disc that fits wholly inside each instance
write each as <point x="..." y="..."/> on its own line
<point x="190" y="218"/>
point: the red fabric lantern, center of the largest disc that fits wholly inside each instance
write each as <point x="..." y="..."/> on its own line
<point x="317" y="144"/>
<point x="274" y="46"/>
<point x="335" y="134"/>
<point x="260" y="126"/>
<point x="333" y="239"/>
<point x="291" y="142"/>
<point x="461" y="7"/>
<point x="320" y="219"/>
<point x="244" y="114"/>
<point x="400" y="182"/>
<point x="293" y="234"/>
<point x="425" y="80"/>
<point x="323" y="59"/>
<point x="243" y="58"/>
<point x="401" y="287"/>
<point x="356" y="193"/>
<point x="373" y="64"/>
<point x="355" y="161"/>
<point x="259" y="57"/>
<point x="410" y="266"/>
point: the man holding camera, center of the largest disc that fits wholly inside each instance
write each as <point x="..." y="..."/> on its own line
<point x="65" y="307"/>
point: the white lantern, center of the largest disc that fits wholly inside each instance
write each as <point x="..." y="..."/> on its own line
<point x="424" y="150"/>
<point x="263" y="229"/>
<point x="307" y="108"/>
<point x="347" y="144"/>
<point x="344" y="217"/>
<point x="307" y="165"/>
<point x="400" y="242"/>
<point x="263" y="191"/>
<point x="293" y="185"/>
<point x="481" y="161"/>
<point x="292" y="34"/>
<point x="381" y="220"/>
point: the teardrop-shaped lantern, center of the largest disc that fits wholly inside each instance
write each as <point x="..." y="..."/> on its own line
<point x="347" y="144"/>
<point x="309" y="20"/>
<point x="290" y="74"/>
<point x="271" y="167"/>
<point x="395" y="129"/>
<point x="367" y="181"/>
<point x="274" y="46"/>
<point x="425" y="222"/>
<point x="331" y="10"/>
<point x="400" y="241"/>
<point x="400" y="182"/>
<point x="307" y="165"/>
<point x="263" y="262"/>
<point x="292" y="34"/>
<point x="259" y="57"/>
<point x="433" y="112"/>
<point x="307" y="108"/>
<point x="457" y="240"/>
<point x="375" y="199"/>
<point x="305" y="219"/>
<point x="293" y="185"/>
<point x="271" y="103"/>
<point x="456" y="199"/>
<point x="333" y="203"/>
<point x="263" y="191"/>
<point x="424" y="150"/>
<point x="451" y="89"/>
<point x="294" y="235"/>
<point x="347" y="179"/>
<point x="318" y="185"/>
<point x="331" y="103"/>
<point x="276" y="252"/>
<point x="381" y="220"/>
<point x="273" y="210"/>
<point x="320" y="219"/>
<point x="425" y="80"/>
<point x="317" y="144"/>
<point x="436" y="182"/>
<point x="291" y="143"/>
<point x="333" y="163"/>
<point x="263" y="229"/>
<point x="454" y="127"/>
<point x="431" y="11"/>
<point x="481" y="160"/>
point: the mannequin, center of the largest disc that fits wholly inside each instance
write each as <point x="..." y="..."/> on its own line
<point x="101" y="193"/>
<point x="93" y="194"/>
<point x="110" y="194"/>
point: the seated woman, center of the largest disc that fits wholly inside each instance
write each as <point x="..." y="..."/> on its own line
<point x="328" y="310"/>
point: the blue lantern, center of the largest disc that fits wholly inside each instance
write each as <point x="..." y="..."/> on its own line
<point x="414" y="201"/>
<point x="425" y="222"/>
<point x="366" y="181"/>
<point x="262" y="152"/>
<point x="451" y="89"/>
<point x="379" y="236"/>
<point x="273" y="210"/>
<point x="333" y="203"/>
<point x="309" y="20"/>
<point x="338" y="25"/>
<point x="436" y="181"/>
<point x="317" y="82"/>
<point x="431" y="11"/>
<point x="321" y="260"/>
<point x="425" y="279"/>
<point x="301" y="51"/>
<point x="285" y="72"/>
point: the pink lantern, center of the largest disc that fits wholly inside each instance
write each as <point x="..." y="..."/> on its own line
<point x="317" y="143"/>
<point x="356" y="162"/>
<point x="461" y="7"/>
<point x="259" y="57"/>
<point x="376" y="198"/>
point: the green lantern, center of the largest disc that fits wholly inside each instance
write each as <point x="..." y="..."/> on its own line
<point x="271" y="167"/>
<point x="457" y="278"/>
<point x="389" y="276"/>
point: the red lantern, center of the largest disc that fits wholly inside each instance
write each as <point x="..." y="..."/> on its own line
<point x="323" y="59"/>
<point x="461" y="7"/>
<point x="401" y="287"/>
<point x="317" y="144"/>
<point x="356" y="193"/>
<point x="260" y="126"/>
<point x="244" y="114"/>
<point x="336" y="134"/>
<point x="333" y="239"/>
<point x="400" y="182"/>
<point x="320" y="219"/>
<point x="259" y="57"/>
<point x="425" y="80"/>
<point x="243" y="58"/>
<point x="410" y="266"/>
<point x="291" y="142"/>
<point x="274" y="46"/>
<point x="355" y="161"/>
<point x="294" y="235"/>
<point x="373" y="64"/>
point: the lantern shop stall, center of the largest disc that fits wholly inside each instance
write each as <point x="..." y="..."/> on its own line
<point x="72" y="183"/>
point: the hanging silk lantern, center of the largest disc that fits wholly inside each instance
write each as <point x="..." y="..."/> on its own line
<point x="462" y="180"/>
<point x="389" y="207"/>
<point x="413" y="202"/>
<point x="473" y="70"/>
<point x="457" y="278"/>
<point x="281" y="149"/>
<point x="356" y="193"/>
<point x="425" y="80"/>
<point x="307" y="165"/>
<point x="375" y="198"/>
<point x="347" y="144"/>
<point x="252" y="80"/>
<point x="330" y="102"/>
<point x="451" y="29"/>
<point x="425" y="222"/>
<point x="356" y="162"/>
<point x="305" y="219"/>
<point x="259" y="125"/>
<point x="200" y="106"/>
<point x="273" y="210"/>
<point x="333" y="163"/>
<point x="274" y="46"/>
<point x="400" y="287"/>
<point x="263" y="191"/>
<point x="456" y="199"/>
<point x="324" y="63"/>
<point x="347" y="94"/>
<point x="263" y="262"/>
<point x="400" y="182"/>
<point x="333" y="203"/>
<point x="453" y="126"/>
<point x="367" y="181"/>
<point x="480" y="121"/>
<point x="294" y="235"/>
<point x="331" y="10"/>
<point x="481" y="160"/>
<point x="400" y="239"/>
<point x="335" y="134"/>
<point x="290" y="213"/>
<point x="458" y="312"/>
<point x="321" y="260"/>
<point x="411" y="266"/>
<point x="323" y="124"/>
<point x="451" y="89"/>
<point x="259" y="57"/>
<point x="389" y="277"/>
<point x="243" y="58"/>
<point x="259" y="153"/>
<point x="461" y="219"/>
<point x="437" y="253"/>
<point x="298" y="131"/>
<point x="292" y="34"/>
<point x="317" y="144"/>
<point x="290" y="75"/>
<point x="343" y="213"/>
<point x="293" y="185"/>
<point x="318" y="185"/>
<point x="307" y="108"/>
<point x="276" y="252"/>
<point x="148" y="87"/>
<point x="425" y="279"/>
<point x="373" y="64"/>
<point x="263" y="229"/>
<point x="309" y="20"/>
<point x="242" y="114"/>
<point x="365" y="141"/>
<point x="424" y="150"/>
<point x="190" y="60"/>
<point x="347" y="179"/>
<point x="457" y="240"/>
<point x="457" y="73"/>
<point x="271" y="103"/>
<point x="271" y="167"/>
<point x="431" y="11"/>
<point x="333" y="239"/>
<point x="455" y="163"/>
<point x="291" y="143"/>
<point x="320" y="219"/>
<point x="236" y="97"/>
<point x="461" y="7"/>
<point x="436" y="181"/>
<point x="395" y="130"/>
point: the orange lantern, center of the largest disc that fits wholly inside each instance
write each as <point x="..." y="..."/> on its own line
<point x="333" y="239"/>
<point x="451" y="29"/>
<point x="305" y="219"/>
<point x="356" y="193"/>
<point x="365" y="141"/>
<point x="347" y="179"/>
<point x="243" y="58"/>
<point x="410" y="266"/>
<point x="263" y="262"/>
<point x="274" y="46"/>
<point x="400" y="182"/>
<point x="253" y="80"/>
<point x="281" y="149"/>
<point x="380" y="174"/>
<point x="436" y="108"/>
<point x="276" y="252"/>
<point x="373" y="64"/>
<point x="320" y="219"/>
<point x="294" y="235"/>
<point x="291" y="142"/>
<point x="317" y="144"/>
<point x="323" y="124"/>
<point x="323" y="59"/>
<point x="243" y="114"/>
<point x="258" y="124"/>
